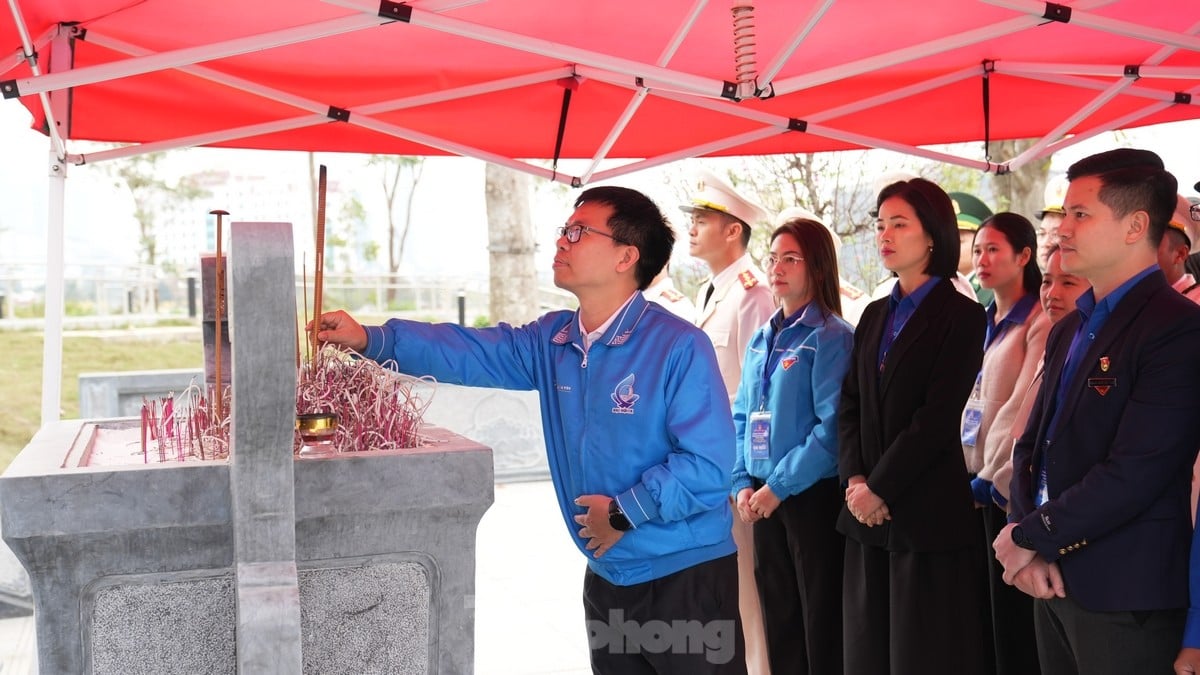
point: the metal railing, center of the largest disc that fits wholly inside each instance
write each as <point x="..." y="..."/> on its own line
<point x="100" y="295"/>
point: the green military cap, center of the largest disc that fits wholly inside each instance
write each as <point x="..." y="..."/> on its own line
<point x="971" y="212"/>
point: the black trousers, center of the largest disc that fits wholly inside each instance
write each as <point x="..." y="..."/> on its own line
<point x="912" y="613"/>
<point x="1074" y="641"/>
<point x="798" y="557"/>
<point x="1011" y="611"/>
<point x="685" y="623"/>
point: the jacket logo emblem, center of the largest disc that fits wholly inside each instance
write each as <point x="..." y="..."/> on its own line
<point x="1104" y="364"/>
<point x="624" y="397"/>
<point x="789" y="361"/>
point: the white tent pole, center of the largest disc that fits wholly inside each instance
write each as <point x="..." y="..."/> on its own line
<point x="1108" y="126"/>
<point x="456" y="148"/>
<point x="190" y="55"/>
<point x="448" y="146"/>
<point x="55" y="304"/>
<point x="467" y="91"/>
<point x="310" y="105"/>
<point x="1086" y="83"/>
<point x="688" y="153"/>
<point x="894" y="95"/>
<point x="1079" y="17"/>
<point x="1066" y="125"/>
<point x="640" y="95"/>
<point x="1103" y="70"/>
<point x="303" y="121"/>
<point x="210" y="138"/>
<point x="803" y="28"/>
<point x="18" y="55"/>
<point x="881" y="61"/>
<point x="62" y="43"/>
<point x="781" y="124"/>
<point x="872" y="142"/>
<point x="1162" y="54"/>
<point x="701" y="86"/>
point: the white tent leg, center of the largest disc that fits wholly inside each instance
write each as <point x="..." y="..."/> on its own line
<point x="56" y="106"/>
<point x="55" y="303"/>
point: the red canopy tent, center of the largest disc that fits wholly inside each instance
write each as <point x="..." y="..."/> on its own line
<point x="654" y="82"/>
<point x="502" y="79"/>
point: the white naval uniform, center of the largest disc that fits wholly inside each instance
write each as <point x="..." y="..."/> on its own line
<point x="1187" y="285"/>
<point x="854" y="301"/>
<point x="740" y="304"/>
<point x="664" y="293"/>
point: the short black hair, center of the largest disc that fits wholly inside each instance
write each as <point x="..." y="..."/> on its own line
<point x="637" y="221"/>
<point x="1020" y="235"/>
<point x="1132" y="180"/>
<point x="936" y="213"/>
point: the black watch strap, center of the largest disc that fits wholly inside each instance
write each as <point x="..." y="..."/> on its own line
<point x="616" y="517"/>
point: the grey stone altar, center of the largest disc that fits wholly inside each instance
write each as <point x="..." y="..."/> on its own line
<point x="354" y="563"/>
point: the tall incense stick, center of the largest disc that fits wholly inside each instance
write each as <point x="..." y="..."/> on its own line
<point x="304" y="287"/>
<point x="220" y="303"/>
<point x="319" y="262"/>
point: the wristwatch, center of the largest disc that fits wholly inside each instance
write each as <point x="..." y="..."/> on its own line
<point x="616" y="517"/>
<point x="1019" y="538"/>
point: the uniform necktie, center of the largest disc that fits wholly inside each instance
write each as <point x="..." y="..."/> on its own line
<point x="708" y="294"/>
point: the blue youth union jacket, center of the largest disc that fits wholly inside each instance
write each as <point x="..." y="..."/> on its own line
<point x="642" y="416"/>
<point x="801" y="385"/>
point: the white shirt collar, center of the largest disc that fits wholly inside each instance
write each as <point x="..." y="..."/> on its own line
<point x="589" y="338"/>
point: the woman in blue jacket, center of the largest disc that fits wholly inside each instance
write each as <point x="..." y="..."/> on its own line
<point x="785" y="472"/>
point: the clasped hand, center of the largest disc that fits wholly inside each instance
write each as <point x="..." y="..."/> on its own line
<point x="867" y="507"/>
<point x="1027" y="570"/>
<point x="753" y="505"/>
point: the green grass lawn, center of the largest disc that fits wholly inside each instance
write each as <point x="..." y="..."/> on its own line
<point x="21" y="372"/>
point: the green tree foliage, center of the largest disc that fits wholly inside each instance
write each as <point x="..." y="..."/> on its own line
<point x="153" y="197"/>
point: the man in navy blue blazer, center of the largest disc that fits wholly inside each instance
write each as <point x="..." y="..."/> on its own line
<point x="1099" y="523"/>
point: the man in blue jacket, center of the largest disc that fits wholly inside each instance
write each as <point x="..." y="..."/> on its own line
<point x="638" y="433"/>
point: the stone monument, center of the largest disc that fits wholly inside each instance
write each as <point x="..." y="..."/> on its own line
<point x="350" y="563"/>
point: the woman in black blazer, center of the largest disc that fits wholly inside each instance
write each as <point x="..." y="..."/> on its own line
<point x="912" y="579"/>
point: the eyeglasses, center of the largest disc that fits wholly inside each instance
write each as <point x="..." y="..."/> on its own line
<point x="1194" y="212"/>
<point x="574" y="232"/>
<point x="786" y="260"/>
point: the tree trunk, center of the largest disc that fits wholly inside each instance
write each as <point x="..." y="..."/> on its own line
<point x="512" y="276"/>
<point x="1021" y="191"/>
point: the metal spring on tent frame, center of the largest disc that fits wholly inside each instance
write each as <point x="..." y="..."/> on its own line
<point x="745" y="58"/>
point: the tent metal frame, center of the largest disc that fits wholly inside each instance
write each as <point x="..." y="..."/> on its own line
<point x="641" y="79"/>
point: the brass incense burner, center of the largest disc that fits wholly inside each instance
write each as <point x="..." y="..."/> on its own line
<point x="316" y="432"/>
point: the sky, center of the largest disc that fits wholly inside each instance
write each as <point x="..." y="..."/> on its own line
<point x="100" y="225"/>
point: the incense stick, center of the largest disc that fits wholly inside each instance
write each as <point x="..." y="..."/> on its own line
<point x="319" y="263"/>
<point x="220" y="307"/>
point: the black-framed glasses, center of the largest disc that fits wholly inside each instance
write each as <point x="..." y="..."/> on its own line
<point x="1194" y="212"/>
<point x="575" y="231"/>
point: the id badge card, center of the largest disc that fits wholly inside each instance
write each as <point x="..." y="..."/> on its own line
<point x="760" y="434"/>
<point x="972" y="417"/>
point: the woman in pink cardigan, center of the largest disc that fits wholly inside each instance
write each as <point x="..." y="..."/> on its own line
<point x="1004" y="258"/>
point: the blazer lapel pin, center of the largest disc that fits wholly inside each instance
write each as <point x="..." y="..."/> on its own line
<point x="1104" y="363"/>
